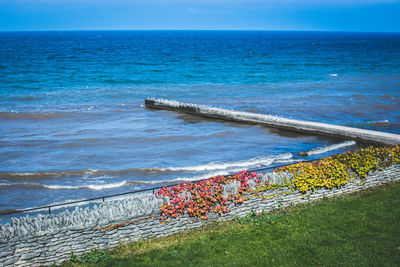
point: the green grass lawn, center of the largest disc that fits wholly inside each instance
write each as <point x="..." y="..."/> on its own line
<point x="358" y="230"/>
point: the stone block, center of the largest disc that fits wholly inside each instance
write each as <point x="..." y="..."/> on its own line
<point x="29" y="255"/>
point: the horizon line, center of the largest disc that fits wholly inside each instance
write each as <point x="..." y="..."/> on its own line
<point x="259" y="30"/>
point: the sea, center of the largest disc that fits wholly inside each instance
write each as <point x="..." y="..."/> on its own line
<point x="73" y="124"/>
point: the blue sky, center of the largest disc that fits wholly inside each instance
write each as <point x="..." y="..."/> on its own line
<point x="330" y="15"/>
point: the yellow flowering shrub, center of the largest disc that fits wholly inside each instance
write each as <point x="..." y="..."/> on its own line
<point x="337" y="170"/>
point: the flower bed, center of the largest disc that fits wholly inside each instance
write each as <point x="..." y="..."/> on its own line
<point x="338" y="170"/>
<point x="200" y="198"/>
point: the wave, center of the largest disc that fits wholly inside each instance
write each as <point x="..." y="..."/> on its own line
<point x="116" y="185"/>
<point x="321" y="150"/>
<point x="124" y="81"/>
<point x="12" y="176"/>
<point x="246" y="164"/>
<point x="32" y="115"/>
<point x="213" y="166"/>
<point x="379" y="122"/>
<point x="25" y="98"/>
<point x="89" y="186"/>
<point x="65" y="187"/>
<point x="111" y="185"/>
<point x="222" y="134"/>
<point x="15" y="115"/>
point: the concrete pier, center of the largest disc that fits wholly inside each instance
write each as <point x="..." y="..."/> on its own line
<point x="318" y="128"/>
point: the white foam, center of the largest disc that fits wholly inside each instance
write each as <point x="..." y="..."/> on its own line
<point x="220" y="111"/>
<point x="89" y="186"/>
<point x="90" y="171"/>
<point x="58" y="187"/>
<point x="321" y="150"/>
<point x="333" y="75"/>
<point x="379" y="122"/>
<point x="245" y="164"/>
<point x="232" y="169"/>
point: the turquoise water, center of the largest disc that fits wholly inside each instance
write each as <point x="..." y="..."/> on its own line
<point x="73" y="124"/>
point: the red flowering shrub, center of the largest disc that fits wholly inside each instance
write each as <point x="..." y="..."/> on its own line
<point x="199" y="198"/>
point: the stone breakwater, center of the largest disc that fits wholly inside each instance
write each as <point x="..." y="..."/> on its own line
<point x="45" y="240"/>
<point x="276" y="122"/>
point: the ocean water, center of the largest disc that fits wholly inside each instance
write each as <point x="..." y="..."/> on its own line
<point x="73" y="123"/>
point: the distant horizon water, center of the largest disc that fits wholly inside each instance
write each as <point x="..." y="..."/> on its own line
<point x="74" y="125"/>
<point x="199" y="30"/>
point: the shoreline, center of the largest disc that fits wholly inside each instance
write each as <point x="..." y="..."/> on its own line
<point x="46" y="240"/>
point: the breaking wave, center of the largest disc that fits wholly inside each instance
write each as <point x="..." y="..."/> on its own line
<point x="379" y="122"/>
<point x="246" y="164"/>
<point x="203" y="172"/>
<point x="321" y="150"/>
<point x="65" y="187"/>
<point x="210" y="167"/>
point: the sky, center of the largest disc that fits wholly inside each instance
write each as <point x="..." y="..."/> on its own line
<point x="315" y="15"/>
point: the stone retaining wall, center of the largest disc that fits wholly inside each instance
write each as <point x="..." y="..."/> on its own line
<point x="55" y="246"/>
